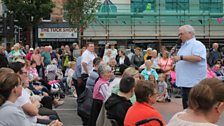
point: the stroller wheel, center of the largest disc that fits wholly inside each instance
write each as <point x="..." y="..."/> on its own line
<point x="168" y="99"/>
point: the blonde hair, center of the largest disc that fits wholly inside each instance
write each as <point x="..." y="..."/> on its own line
<point x="162" y="75"/>
<point x="37" y="49"/>
<point x="71" y="64"/>
<point x="130" y="71"/>
<point x="16" y="46"/>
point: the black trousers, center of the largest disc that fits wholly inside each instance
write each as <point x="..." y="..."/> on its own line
<point x="47" y="102"/>
<point x="185" y="94"/>
<point x="48" y="112"/>
<point x="95" y="111"/>
<point x="79" y="87"/>
<point x="38" y="69"/>
<point x="84" y="78"/>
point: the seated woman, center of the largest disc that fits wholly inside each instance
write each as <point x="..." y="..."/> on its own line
<point x="121" y="58"/>
<point x="51" y="70"/>
<point x="206" y="108"/>
<point x="30" y="105"/>
<point x="115" y="84"/>
<point x="37" y="85"/>
<point x="10" y="114"/>
<point x="210" y="73"/>
<point x="218" y="70"/>
<point x="146" y="94"/>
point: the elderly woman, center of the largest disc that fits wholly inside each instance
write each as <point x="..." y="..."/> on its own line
<point x="146" y="94"/>
<point x="155" y="59"/>
<point x="100" y="92"/>
<point x="10" y="90"/>
<point x="16" y="53"/>
<point x="126" y="72"/>
<point x="148" y="54"/>
<point x="205" y="105"/>
<point x="108" y="56"/>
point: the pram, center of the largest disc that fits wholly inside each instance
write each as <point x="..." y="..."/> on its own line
<point x="52" y="74"/>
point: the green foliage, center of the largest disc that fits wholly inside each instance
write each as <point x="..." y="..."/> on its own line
<point x="80" y="12"/>
<point x="29" y="12"/>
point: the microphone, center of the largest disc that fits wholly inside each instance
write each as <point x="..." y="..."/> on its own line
<point x="175" y="47"/>
<point x="173" y="50"/>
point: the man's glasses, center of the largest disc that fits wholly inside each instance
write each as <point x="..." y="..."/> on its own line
<point x="180" y="34"/>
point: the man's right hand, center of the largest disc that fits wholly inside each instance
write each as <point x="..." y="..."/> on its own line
<point x="176" y="58"/>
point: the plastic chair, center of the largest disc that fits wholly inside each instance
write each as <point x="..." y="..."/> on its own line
<point x="149" y="120"/>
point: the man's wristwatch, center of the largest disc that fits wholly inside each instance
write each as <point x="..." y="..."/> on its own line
<point x="181" y="57"/>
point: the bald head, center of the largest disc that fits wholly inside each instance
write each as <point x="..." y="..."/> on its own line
<point x="215" y="46"/>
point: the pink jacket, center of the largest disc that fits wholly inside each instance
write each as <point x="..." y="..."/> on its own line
<point x="210" y="74"/>
<point x="96" y="90"/>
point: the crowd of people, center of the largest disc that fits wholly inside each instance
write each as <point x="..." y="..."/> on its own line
<point x="111" y="86"/>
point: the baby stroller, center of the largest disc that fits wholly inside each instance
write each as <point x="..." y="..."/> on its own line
<point x="51" y="72"/>
<point x="139" y="123"/>
<point x="52" y="79"/>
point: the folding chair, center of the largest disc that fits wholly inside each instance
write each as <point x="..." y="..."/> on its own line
<point x="149" y="120"/>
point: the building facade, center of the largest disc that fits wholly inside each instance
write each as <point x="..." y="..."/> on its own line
<point x="154" y="22"/>
<point x="151" y="21"/>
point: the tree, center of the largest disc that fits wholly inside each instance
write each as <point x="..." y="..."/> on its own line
<point x="29" y="12"/>
<point x="80" y="13"/>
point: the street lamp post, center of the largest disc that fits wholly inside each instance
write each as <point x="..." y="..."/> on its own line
<point x="17" y="33"/>
<point x="31" y="32"/>
<point x="5" y="28"/>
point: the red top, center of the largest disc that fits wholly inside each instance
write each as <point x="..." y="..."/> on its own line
<point x="141" y="111"/>
<point x="28" y="56"/>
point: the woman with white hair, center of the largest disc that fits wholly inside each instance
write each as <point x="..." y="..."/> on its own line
<point x="155" y="59"/>
<point x="108" y="56"/>
<point x="100" y="92"/>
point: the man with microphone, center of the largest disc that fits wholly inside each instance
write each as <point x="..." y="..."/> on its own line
<point x="191" y="66"/>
